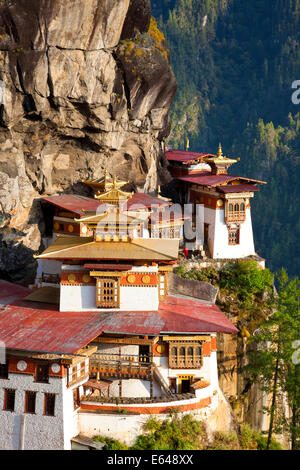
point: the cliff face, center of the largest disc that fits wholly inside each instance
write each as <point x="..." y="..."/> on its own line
<point x="86" y="85"/>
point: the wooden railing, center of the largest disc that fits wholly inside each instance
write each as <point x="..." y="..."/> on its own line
<point x="121" y="366"/>
<point x="185" y="362"/>
<point x="235" y="216"/>
<point x="50" y="278"/>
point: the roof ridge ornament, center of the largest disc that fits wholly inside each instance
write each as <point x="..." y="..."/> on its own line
<point x="220" y="151"/>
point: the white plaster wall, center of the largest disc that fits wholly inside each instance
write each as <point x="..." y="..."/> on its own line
<point x="218" y="236"/>
<point x="41" y="432"/>
<point x="126" y="427"/>
<point x="135" y="388"/>
<point x="207" y="371"/>
<point x="117" y="426"/>
<point x="217" y="417"/>
<point x="83" y="298"/>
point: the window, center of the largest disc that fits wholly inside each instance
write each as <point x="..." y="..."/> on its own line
<point x="185" y="356"/>
<point x="76" y="400"/>
<point x="30" y="399"/>
<point x="107" y="293"/>
<point x="42" y="373"/>
<point x="4" y="371"/>
<point x="49" y="404"/>
<point x="233" y="236"/>
<point x="163" y="288"/>
<point x="236" y="211"/>
<point x="9" y="399"/>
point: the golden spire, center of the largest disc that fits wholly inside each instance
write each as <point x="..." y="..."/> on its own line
<point x="187" y="144"/>
<point x="220" y="152"/>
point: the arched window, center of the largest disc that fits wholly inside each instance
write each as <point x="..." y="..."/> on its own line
<point x="242" y="207"/>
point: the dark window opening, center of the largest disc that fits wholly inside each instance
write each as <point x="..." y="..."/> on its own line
<point x="42" y="373"/>
<point x="30" y="400"/>
<point x="9" y="400"/>
<point x="4" y="371"/>
<point x="185" y="386"/>
<point x="144" y="353"/>
<point x="49" y="404"/>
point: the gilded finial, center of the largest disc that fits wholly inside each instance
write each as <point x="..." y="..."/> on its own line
<point x="220" y="152"/>
<point x="187" y="144"/>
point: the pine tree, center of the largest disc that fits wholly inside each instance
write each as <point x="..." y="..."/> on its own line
<point x="272" y="363"/>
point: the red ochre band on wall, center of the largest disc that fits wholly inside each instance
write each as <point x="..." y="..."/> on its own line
<point x="29" y="367"/>
<point x="163" y="409"/>
<point x="130" y="279"/>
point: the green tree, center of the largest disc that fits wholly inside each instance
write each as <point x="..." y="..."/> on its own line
<point x="272" y="363"/>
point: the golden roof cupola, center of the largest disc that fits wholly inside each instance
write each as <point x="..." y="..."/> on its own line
<point x="219" y="164"/>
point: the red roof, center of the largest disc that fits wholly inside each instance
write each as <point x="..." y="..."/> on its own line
<point x="140" y="200"/>
<point x="9" y="292"/>
<point x="238" y="188"/>
<point x="41" y="327"/>
<point x="74" y="203"/>
<point x="184" y="156"/>
<point x="111" y="267"/>
<point x="206" y="178"/>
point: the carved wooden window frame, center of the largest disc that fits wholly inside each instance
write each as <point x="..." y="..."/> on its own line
<point x="237" y="212"/>
<point x="108" y="292"/>
<point x="233" y="236"/>
<point x="185" y="355"/>
<point x="9" y="399"/>
<point x="30" y="401"/>
<point x="162" y="286"/>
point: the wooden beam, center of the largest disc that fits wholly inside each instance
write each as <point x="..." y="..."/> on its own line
<point x="186" y="338"/>
<point x="146" y="342"/>
<point x="108" y="273"/>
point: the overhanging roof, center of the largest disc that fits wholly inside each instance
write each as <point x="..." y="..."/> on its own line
<point x="74" y="203"/>
<point x="138" y="249"/>
<point x="11" y="292"/>
<point x="206" y="178"/>
<point x="184" y="156"/>
<point x="42" y="328"/>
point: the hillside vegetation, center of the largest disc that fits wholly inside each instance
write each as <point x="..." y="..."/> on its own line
<point x="235" y="62"/>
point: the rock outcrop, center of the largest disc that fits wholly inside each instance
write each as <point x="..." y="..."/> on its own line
<point x="85" y="85"/>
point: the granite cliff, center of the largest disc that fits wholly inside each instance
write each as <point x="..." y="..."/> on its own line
<point x="85" y="85"/>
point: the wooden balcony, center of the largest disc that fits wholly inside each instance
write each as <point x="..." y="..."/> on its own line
<point x="235" y="216"/>
<point x="183" y="362"/>
<point x="120" y="366"/>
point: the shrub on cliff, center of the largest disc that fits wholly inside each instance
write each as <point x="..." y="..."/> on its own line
<point x="245" y="278"/>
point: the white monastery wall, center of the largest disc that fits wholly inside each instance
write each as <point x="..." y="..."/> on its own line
<point x="40" y="431"/>
<point x="83" y="298"/>
<point x="218" y="236"/>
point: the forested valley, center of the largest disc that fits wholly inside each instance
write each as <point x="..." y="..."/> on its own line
<point x="235" y="62"/>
